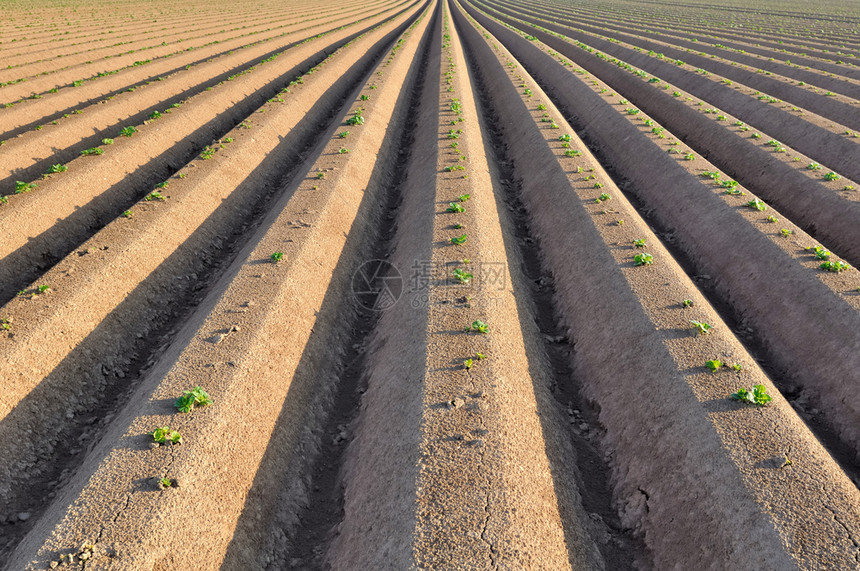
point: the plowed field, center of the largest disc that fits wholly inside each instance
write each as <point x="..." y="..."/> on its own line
<point x="438" y="284"/>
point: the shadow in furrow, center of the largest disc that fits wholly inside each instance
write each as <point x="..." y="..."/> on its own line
<point x="88" y="388"/>
<point x="298" y="527"/>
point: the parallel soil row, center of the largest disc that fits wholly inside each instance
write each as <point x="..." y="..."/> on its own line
<point x="466" y="284"/>
<point x="649" y="324"/>
<point x="199" y="222"/>
<point x="782" y="178"/>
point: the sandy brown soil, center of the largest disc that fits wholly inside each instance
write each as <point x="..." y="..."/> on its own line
<point x="396" y="244"/>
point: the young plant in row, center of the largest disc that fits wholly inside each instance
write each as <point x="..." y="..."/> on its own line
<point x="357" y="118"/>
<point x="643" y="259"/>
<point x="191" y="399"/>
<point x="819" y="252"/>
<point x="458" y="240"/>
<point x="477" y="326"/>
<point x="758" y="396"/>
<point x="165" y="435"/>
<point x="455" y="207"/>
<point x="834" y="266"/>
<point x="462" y="275"/>
<point x="757" y="204"/>
<point x="701" y="327"/>
<point x="21" y="187"/>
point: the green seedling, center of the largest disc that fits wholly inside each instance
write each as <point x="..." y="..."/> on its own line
<point x="480" y="356"/>
<point x="564" y="138"/>
<point x="643" y="259"/>
<point x="155" y="115"/>
<point x="166" y="436"/>
<point x="320" y="175"/>
<point x="702" y="327"/>
<point x="128" y="131"/>
<point x="207" y="153"/>
<point x="455" y="168"/>
<point x="228" y="140"/>
<point x="464" y="197"/>
<point x="772" y="219"/>
<point x="343" y="150"/>
<point x="22" y="187"/>
<point x="343" y="134"/>
<point x="154" y="195"/>
<point x="758" y="396"/>
<point x="713" y="365"/>
<point x="356" y="119"/>
<point x="364" y="97"/>
<point x="462" y="275"/>
<point x="467" y="364"/>
<point x="107" y="141"/>
<point x="786" y="232"/>
<point x="458" y="226"/>
<point x="92" y="151"/>
<point x="43" y="288"/>
<point x="832" y="176"/>
<point x="834" y="266"/>
<point x="195" y="398"/>
<point x="127" y="214"/>
<point x="757" y="204"/>
<point x="690" y="157"/>
<point x="604" y="196"/>
<point x="478" y="326"/>
<point x="458" y="240"/>
<point x="813" y="167"/>
<point x="819" y="252"/>
<point x="57" y="169"/>
<point x="455" y="207"/>
<point x="277" y="257"/>
<point x="737" y="367"/>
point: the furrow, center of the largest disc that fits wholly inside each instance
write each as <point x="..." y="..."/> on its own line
<point x="30" y="68"/>
<point x="207" y="65"/>
<point x="811" y="135"/>
<point x="818" y="74"/>
<point x="711" y="229"/>
<point x="734" y="486"/>
<point x="778" y="174"/>
<point x="79" y="349"/>
<point x="476" y="475"/>
<point x="132" y="166"/>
